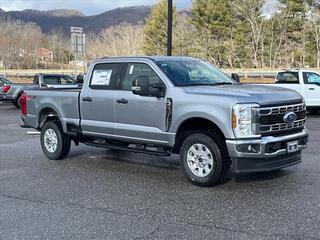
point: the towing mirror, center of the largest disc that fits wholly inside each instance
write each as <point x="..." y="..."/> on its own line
<point x="235" y="77"/>
<point x="141" y="86"/>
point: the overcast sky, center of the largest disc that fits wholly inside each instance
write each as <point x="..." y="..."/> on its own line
<point x="92" y="7"/>
<point x="88" y="7"/>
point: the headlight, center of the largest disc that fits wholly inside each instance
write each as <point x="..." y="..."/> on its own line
<point x="243" y="123"/>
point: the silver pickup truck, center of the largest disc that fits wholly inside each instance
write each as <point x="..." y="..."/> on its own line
<point x="13" y="91"/>
<point x="179" y="105"/>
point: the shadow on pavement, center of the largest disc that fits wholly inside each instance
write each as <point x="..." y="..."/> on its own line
<point x="261" y="176"/>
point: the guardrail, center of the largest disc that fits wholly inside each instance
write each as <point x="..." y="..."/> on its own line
<point x="70" y="72"/>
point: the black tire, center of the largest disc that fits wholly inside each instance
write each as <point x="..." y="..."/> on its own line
<point x="18" y="102"/>
<point x="63" y="141"/>
<point x="221" y="161"/>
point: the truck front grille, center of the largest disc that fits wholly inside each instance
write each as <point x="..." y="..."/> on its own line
<point x="270" y="120"/>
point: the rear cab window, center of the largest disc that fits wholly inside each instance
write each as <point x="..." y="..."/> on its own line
<point x="51" y="80"/>
<point x="288" y="78"/>
<point x="67" y="80"/>
<point x="105" y="76"/>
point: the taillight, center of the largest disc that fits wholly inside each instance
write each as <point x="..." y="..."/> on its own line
<point x="24" y="98"/>
<point x="6" y="88"/>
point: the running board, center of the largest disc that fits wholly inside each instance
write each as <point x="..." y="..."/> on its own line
<point x="111" y="146"/>
<point x="34" y="133"/>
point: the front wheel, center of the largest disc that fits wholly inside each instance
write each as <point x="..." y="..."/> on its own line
<point x="54" y="142"/>
<point x="204" y="159"/>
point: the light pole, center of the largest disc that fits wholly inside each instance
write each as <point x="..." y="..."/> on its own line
<point x="169" y="38"/>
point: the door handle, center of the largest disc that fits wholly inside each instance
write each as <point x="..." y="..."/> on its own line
<point x="311" y="88"/>
<point x="122" y="101"/>
<point x="87" y="99"/>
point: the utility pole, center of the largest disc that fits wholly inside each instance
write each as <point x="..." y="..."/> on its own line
<point x="169" y="40"/>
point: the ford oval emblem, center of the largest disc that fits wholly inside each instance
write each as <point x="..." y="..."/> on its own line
<point x="289" y="117"/>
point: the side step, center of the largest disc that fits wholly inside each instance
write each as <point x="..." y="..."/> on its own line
<point x="137" y="150"/>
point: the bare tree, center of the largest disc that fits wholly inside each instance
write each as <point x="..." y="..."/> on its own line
<point x="19" y="43"/>
<point x="314" y="26"/>
<point x="250" y="11"/>
<point x="121" y="40"/>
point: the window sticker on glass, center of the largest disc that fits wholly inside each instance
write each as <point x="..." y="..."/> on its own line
<point x="131" y="69"/>
<point x="101" y="77"/>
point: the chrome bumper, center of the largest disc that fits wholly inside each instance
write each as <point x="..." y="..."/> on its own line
<point x="263" y="142"/>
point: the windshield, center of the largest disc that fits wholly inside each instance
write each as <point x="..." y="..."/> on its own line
<point x="4" y="80"/>
<point x="193" y="72"/>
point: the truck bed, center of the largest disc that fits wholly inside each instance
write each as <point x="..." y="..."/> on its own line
<point x="64" y="102"/>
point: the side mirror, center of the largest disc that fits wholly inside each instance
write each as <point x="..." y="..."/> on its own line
<point x="80" y="79"/>
<point x="235" y="77"/>
<point x="141" y="86"/>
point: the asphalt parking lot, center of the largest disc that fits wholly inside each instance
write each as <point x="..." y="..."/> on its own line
<point x="107" y="194"/>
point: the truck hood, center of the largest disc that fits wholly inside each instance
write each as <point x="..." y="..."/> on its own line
<point x="263" y="95"/>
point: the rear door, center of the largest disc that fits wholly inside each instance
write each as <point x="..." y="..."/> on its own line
<point x="140" y="118"/>
<point x="312" y="88"/>
<point x="97" y="100"/>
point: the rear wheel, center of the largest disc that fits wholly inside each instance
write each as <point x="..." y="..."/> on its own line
<point x="54" y="142"/>
<point x="204" y="159"/>
<point x="18" y="102"/>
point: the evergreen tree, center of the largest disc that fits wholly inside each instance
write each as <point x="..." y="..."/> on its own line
<point x="155" y="30"/>
<point x="213" y="21"/>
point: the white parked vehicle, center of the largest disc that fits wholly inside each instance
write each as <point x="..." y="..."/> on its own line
<point x="306" y="82"/>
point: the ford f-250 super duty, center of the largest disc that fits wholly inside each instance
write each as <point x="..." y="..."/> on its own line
<point x="164" y="105"/>
<point x="304" y="81"/>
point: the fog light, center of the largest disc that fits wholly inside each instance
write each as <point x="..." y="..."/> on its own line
<point x="248" y="148"/>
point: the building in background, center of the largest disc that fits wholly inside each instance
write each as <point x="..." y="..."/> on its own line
<point x="45" y="55"/>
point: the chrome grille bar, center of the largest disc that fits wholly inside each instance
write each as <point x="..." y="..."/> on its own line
<point x="265" y="111"/>
<point x="274" y="114"/>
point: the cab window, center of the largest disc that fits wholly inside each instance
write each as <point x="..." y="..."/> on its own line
<point x="65" y="80"/>
<point x="105" y="75"/>
<point x="134" y="70"/>
<point x="51" y="80"/>
<point x="288" y="78"/>
<point x="311" y="78"/>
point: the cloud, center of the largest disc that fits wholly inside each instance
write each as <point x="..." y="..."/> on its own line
<point x="88" y="7"/>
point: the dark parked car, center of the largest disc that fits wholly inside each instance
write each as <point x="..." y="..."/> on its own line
<point x="3" y="81"/>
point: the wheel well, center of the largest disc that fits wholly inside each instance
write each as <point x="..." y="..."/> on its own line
<point x="195" y="125"/>
<point x="47" y="114"/>
<point x="19" y="95"/>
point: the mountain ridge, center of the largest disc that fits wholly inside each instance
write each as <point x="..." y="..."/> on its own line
<point x="63" y="19"/>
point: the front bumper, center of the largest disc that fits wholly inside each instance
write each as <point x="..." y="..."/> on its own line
<point x="5" y="98"/>
<point x="271" y="155"/>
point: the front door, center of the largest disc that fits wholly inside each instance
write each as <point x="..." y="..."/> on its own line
<point x="140" y="118"/>
<point x="312" y="88"/>
<point x="97" y="101"/>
